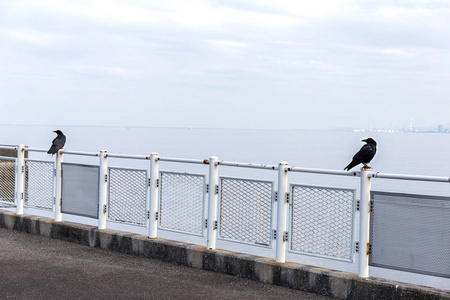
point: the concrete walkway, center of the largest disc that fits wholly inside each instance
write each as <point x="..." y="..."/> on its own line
<point x="37" y="267"/>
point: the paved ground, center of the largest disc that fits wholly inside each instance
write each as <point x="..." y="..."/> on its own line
<point x="36" y="267"/>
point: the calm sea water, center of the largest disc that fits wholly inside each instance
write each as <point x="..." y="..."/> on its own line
<point x="402" y="153"/>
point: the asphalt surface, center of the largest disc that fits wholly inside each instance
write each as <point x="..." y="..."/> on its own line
<point x="36" y="267"/>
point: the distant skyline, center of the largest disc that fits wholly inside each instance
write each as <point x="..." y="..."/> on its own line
<point x="226" y="64"/>
<point x="441" y="128"/>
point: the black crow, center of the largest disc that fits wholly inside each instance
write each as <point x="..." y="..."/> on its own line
<point x="364" y="155"/>
<point x="57" y="143"/>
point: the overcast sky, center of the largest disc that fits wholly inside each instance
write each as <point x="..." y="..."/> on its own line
<point x="321" y="64"/>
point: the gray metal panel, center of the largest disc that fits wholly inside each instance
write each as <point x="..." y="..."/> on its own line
<point x="80" y="189"/>
<point x="411" y="233"/>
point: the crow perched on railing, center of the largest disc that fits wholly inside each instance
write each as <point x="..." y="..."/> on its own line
<point x="364" y="155"/>
<point x="57" y="143"/>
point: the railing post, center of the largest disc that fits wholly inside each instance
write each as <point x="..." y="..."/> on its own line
<point x="364" y="224"/>
<point x="103" y="189"/>
<point x="20" y="179"/>
<point x="212" y="202"/>
<point x="282" y="211"/>
<point x="153" y="197"/>
<point x="147" y="201"/>
<point x="58" y="185"/>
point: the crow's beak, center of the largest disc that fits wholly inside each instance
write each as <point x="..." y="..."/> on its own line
<point x="364" y="140"/>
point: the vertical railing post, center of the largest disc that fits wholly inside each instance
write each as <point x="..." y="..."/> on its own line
<point x="58" y="185"/>
<point x="147" y="201"/>
<point x="153" y="197"/>
<point x="364" y="224"/>
<point x="282" y="210"/>
<point x="212" y="202"/>
<point x="102" y="189"/>
<point x="20" y="179"/>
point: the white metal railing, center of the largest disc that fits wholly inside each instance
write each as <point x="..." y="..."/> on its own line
<point x="211" y="213"/>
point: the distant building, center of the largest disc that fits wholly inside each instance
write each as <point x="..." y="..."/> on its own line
<point x="440" y="128"/>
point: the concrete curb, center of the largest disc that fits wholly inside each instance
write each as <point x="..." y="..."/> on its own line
<point x="321" y="281"/>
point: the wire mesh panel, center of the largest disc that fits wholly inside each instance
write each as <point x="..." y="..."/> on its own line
<point x="39" y="181"/>
<point x="80" y="191"/>
<point x="127" y="196"/>
<point x="182" y="198"/>
<point x="246" y="210"/>
<point x="411" y="233"/>
<point x="7" y="180"/>
<point x="322" y="221"/>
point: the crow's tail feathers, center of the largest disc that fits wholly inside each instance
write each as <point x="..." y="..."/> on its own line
<point x="51" y="150"/>
<point x="350" y="166"/>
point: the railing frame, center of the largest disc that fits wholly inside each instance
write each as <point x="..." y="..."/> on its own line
<point x="153" y="200"/>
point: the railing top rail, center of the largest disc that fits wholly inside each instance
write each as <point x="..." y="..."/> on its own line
<point x="82" y="153"/>
<point x="324" y="171"/>
<point x="9" y="147"/>
<point x="128" y="156"/>
<point x="410" y="177"/>
<point x="247" y="165"/>
<point x="36" y="149"/>
<point x="184" y="160"/>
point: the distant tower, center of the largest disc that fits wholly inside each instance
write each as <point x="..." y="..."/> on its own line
<point x="410" y="125"/>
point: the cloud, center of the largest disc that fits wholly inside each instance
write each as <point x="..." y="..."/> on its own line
<point x="107" y="11"/>
<point x="227" y="47"/>
<point x="105" y="71"/>
<point x="307" y="9"/>
<point x="329" y="68"/>
<point x="34" y="37"/>
<point x="401" y="52"/>
<point x="250" y="53"/>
